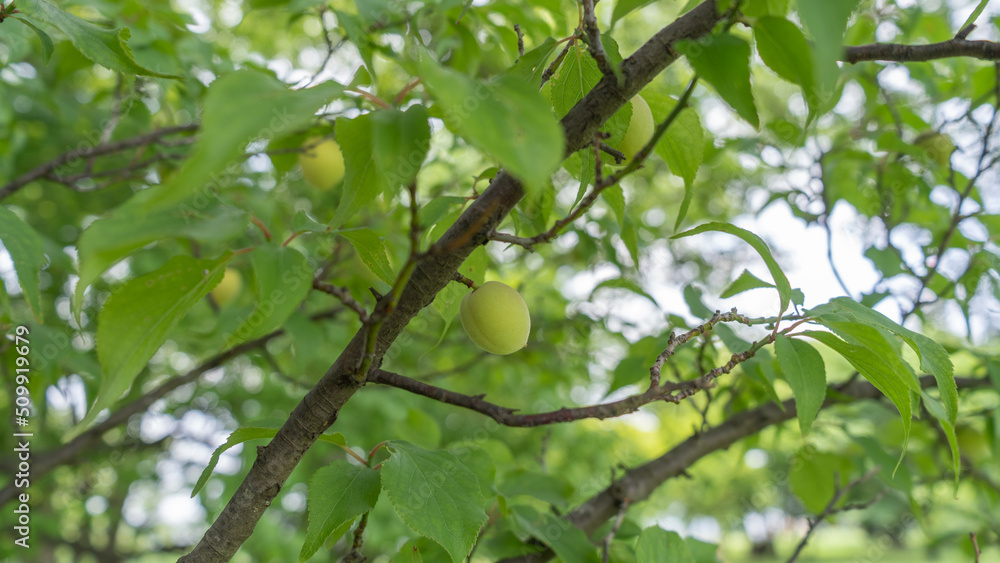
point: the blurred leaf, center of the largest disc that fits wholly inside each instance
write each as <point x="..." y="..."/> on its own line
<point x="136" y="318"/>
<point x="657" y="545"/>
<point x="361" y="180"/>
<point x="826" y="21"/>
<point x="25" y="248"/>
<point x="372" y="251"/>
<point x="567" y="541"/>
<point x="106" y="47"/>
<point x="284" y="278"/>
<point x="400" y="140"/>
<point x="47" y="46"/>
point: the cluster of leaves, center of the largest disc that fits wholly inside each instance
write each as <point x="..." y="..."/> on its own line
<point x="151" y="228"/>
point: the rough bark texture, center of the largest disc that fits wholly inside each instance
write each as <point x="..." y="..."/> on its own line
<point x="318" y="409"/>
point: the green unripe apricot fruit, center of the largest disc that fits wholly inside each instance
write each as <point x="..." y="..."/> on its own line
<point x="322" y="163"/>
<point x="496" y="318"/>
<point x="229" y="288"/>
<point x="640" y="128"/>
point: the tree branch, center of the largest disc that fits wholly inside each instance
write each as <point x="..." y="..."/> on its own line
<point x="45" y="170"/>
<point x="319" y="409"/>
<point x="957" y="47"/>
<point x="639" y="482"/>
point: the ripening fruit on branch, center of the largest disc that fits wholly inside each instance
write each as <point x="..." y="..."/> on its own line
<point x="229" y="288"/>
<point x="322" y="163"/>
<point x="496" y="318"/>
<point x="640" y="128"/>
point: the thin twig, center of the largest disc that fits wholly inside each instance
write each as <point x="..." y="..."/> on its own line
<point x="831" y="508"/>
<point x="588" y="201"/>
<point x="614" y="530"/>
<point x="594" y="45"/>
<point x="44" y="170"/>
<point x="344" y="295"/>
<point x="355" y="555"/>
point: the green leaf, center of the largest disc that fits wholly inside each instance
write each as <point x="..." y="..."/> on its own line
<point x="506" y="118"/>
<point x="934" y="359"/>
<point x="244" y="434"/>
<point x="303" y="223"/>
<point x="361" y="182"/>
<point x="758" y="244"/>
<point x="806" y="374"/>
<point x="757" y="8"/>
<point x="938" y="411"/>
<point x="577" y="76"/>
<point x="550" y="489"/>
<point x="400" y="140"/>
<point x="238" y="108"/>
<point x="826" y="21"/>
<point x="625" y="7"/>
<point x="876" y="370"/>
<point x="436" y="496"/>
<point x="47" y="46"/>
<point x="338" y="493"/>
<point x="703" y="552"/>
<point x="616" y="201"/>
<point x="109" y="240"/>
<point x="745" y="282"/>
<point x="622" y="283"/>
<point x="657" y="545"/>
<point x="724" y="62"/>
<point x="106" y="47"/>
<point x="372" y="251"/>
<point x="284" y="278"/>
<point x="532" y="64"/>
<point x="135" y="320"/>
<point x="812" y="478"/>
<point x="567" y="541"/>
<point x="784" y="48"/>
<point x="682" y="146"/>
<point x="26" y="251"/>
<point x="975" y="14"/>
<point x="238" y="436"/>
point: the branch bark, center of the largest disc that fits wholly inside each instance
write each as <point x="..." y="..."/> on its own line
<point x="45" y="170"/>
<point x="639" y="482"/>
<point x="318" y="410"/>
<point x="957" y="47"/>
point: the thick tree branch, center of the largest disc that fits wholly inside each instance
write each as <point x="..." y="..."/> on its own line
<point x="320" y="407"/>
<point x="639" y="482"/>
<point x="957" y="47"/>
